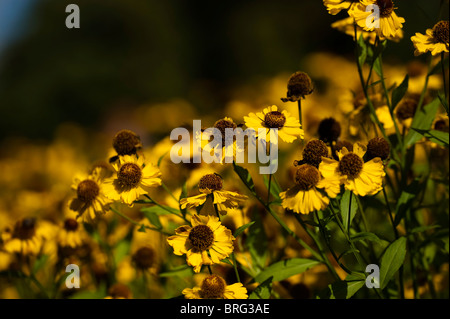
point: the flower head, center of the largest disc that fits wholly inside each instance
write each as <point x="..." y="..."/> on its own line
<point x="210" y="186"/>
<point x="434" y="40"/>
<point x="362" y="178"/>
<point x="133" y="178"/>
<point x="206" y="242"/>
<point x="288" y="126"/>
<point x="215" y="287"/>
<point x="90" y="201"/>
<point x="299" y="85"/>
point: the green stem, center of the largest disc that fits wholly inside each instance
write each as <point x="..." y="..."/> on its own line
<point x="233" y="258"/>
<point x="268" y="189"/>
<point x="169" y="191"/>
<point x="443" y="74"/>
<point x="152" y="201"/>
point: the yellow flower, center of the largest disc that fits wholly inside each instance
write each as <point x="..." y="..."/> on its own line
<point x="386" y="26"/>
<point x="210" y="186"/>
<point x="206" y="242"/>
<point x="287" y="125"/>
<point x="27" y="236"/>
<point x="362" y="178"/>
<point x="91" y="201"/>
<point x="71" y="235"/>
<point x="347" y="26"/>
<point x="215" y="287"/>
<point x="222" y="147"/>
<point x="434" y="40"/>
<point x="336" y="6"/>
<point x="305" y="196"/>
<point x="132" y="179"/>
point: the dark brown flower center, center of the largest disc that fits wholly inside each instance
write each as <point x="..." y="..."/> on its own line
<point x="129" y="175"/>
<point x="339" y="145"/>
<point x="307" y="176"/>
<point x="201" y="237"/>
<point x="406" y="109"/>
<point x="386" y="7"/>
<point x="350" y="165"/>
<point x="222" y="125"/>
<point x="125" y="142"/>
<point x="441" y="125"/>
<point x="25" y="229"/>
<point x="378" y="147"/>
<point x="299" y="85"/>
<point x="70" y="224"/>
<point x="213" y="287"/>
<point x="211" y="181"/>
<point x="329" y="130"/>
<point x="274" y="119"/>
<point x="87" y="191"/>
<point x="314" y="151"/>
<point x="144" y="258"/>
<point x="440" y="32"/>
<point x="119" y="291"/>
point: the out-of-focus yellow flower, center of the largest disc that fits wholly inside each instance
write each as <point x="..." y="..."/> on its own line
<point x="434" y="40"/>
<point x="27" y="236"/>
<point x="210" y="187"/>
<point x="215" y="287"/>
<point x="288" y="126"/>
<point x="305" y="196"/>
<point x="71" y="234"/>
<point x="362" y="178"/>
<point x="91" y="200"/>
<point x="206" y="242"/>
<point x="336" y="6"/>
<point x="386" y="25"/>
<point x="132" y="179"/>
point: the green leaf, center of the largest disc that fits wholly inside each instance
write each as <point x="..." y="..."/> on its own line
<point x="343" y="289"/>
<point x="286" y="268"/>
<point x="182" y="271"/>
<point x="422" y="229"/>
<point x="363" y="51"/>
<point x="275" y="188"/>
<point x="435" y="136"/>
<point x="263" y="291"/>
<point x="392" y="260"/>
<point x="241" y="229"/>
<point x="365" y="236"/>
<point x="244" y="175"/>
<point x="257" y="243"/>
<point x="39" y="263"/>
<point x="399" y="92"/>
<point x="438" y="67"/>
<point x="422" y="121"/>
<point x="407" y="198"/>
<point x="345" y="205"/>
<point x="161" y="158"/>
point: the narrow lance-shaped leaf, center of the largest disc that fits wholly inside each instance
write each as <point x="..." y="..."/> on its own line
<point x="392" y="260"/>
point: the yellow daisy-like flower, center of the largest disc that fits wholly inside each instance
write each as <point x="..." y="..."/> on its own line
<point x="215" y="287"/>
<point x="288" y="126"/>
<point x="206" y="242"/>
<point x="336" y="6"/>
<point x="210" y="186"/>
<point x="91" y="201"/>
<point x="434" y="40"/>
<point x="222" y="146"/>
<point x="305" y="196"/>
<point x="71" y="235"/>
<point x="362" y="178"/>
<point x="27" y="236"/>
<point x="132" y="179"/>
<point x="386" y="25"/>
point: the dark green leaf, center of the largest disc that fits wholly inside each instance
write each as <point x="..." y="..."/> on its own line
<point x="263" y="291"/>
<point x="399" y="92"/>
<point x="244" y="175"/>
<point x="256" y="242"/>
<point x="343" y="289"/>
<point x="286" y="268"/>
<point x="275" y="188"/>
<point x="182" y="271"/>
<point x="406" y="199"/>
<point x="392" y="260"/>
<point x="422" y="120"/>
<point x="241" y="229"/>
<point x="348" y="208"/>
<point x="435" y="136"/>
<point x="365" y="236"/>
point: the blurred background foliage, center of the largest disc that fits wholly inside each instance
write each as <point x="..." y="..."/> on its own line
<point x="127" y="53"/>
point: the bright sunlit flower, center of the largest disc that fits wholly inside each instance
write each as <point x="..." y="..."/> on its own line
<point x="388" y="24"/>
<point x="206" y="242"/>
<point x="434" y="40"/>
<point x="132" y="179"/>
<point x="362" y="178"/>
<point x="288" y="126"/>
<point x="210" y="186"/>
<point x="336" y="6"/>
<point x="305" y="196"/>
<point x="91" y="201"/>
<point x="215" y="287"/>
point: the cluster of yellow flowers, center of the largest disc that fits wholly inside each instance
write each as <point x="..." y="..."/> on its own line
<point x="131" y="215"/>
